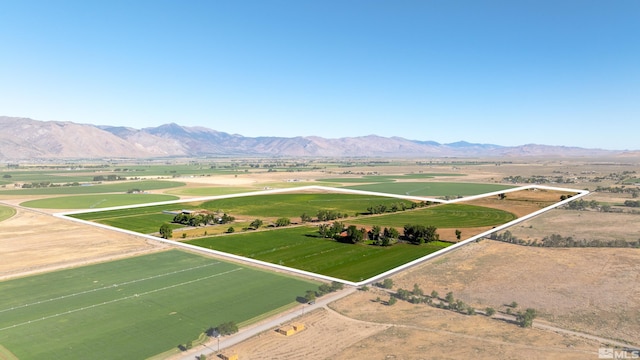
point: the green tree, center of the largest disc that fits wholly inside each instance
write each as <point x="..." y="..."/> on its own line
<point x="165" y="231"/>
<point x="255" y="224"/>
<point x="391" y="233"/>
<point x="449" y="297"/>
<point x="514" y="304"/>
<point x="471" y="310"/>
<point x="355" y="235"/>
<point x="458" y="234"/>
<point x="305" y="217"/>
<point x="387" y="283"/>
<point x="336" y="229"/>
<point x="324" y="289"/>
<point x="374" y="234"/>
<point x="231" y="230"/>
<point x="310" y="296"/>
<point x="417" y="291"/>
<point x="526" y="319"/>
<point x="392" y="300"/>
<point x="489" y="311"/>
<point x="283" y="221"/>
<point x="335" y="286"/>
<point x="434" y="294"/>
<point x="227" y="328"/>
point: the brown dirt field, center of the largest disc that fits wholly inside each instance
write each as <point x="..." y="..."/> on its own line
<point x="326" y="333"/>
<point x="424" y="332"/>
<point x="523" y="202"/>
<point x="34" y="242"/>
<point x="590" y="225"/>
<point x="589" y="290"/>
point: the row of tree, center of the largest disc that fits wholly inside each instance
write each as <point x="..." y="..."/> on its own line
<point x="634" y="191"/>
<point x="417" y="296"/>
<point x="632" y="203"/>
<point x="202" y="219"/>
<point x="323" y="289"/>
<point x="415" y="234"/>
<point x="401" y="206"/>
<point x="108" y="178"/>
<point x="556" y="240"/>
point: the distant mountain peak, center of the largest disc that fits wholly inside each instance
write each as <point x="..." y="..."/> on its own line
<point x="23" y="138"/>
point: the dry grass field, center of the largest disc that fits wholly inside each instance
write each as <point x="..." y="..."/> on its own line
<point x="593" y="290"/>
<point x="359" y="327"/>
<point x="34" y="242"/>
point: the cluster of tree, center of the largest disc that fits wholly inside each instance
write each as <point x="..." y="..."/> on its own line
<point x="634" y="191"/>
<point x="331" y="231"/>
<point x="353" y="234"/>
<point x="134" y="190"/>
<point x="417" y="296"/>
<point x="283" y="221"/>
<point x="202" y="219"/>
<point x="383" y="237"/>
<point x="323" y="289"/>
<point x="539" y="179"/>
<point x="385" y="284"/>
<point x="556" y="240"/>
<point x="415" y="234"/>
<point x="582" y="204"/>
<point x="47" y="184"/>
<point x="419" y="234"/>
<point x="111" y="177"/>
<point x="632" y="203"/>
<point x="255" y="224"/>
<point x="401" y="206"/>
<point x="328" y="215"/>
<point x="41" y="184"/>
<point x="525" y="319"/>
<point x="223" y="329"/>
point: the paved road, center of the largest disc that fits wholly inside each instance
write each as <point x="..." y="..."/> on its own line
<point x="211" y="347"/>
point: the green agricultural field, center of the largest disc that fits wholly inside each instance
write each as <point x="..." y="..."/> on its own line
<point x="149" y="219"/>
<point x="103" y="188"/>
<point x="386" y="178"/>
<point x="301" y="248"/>
<point x="6" y="212"/>
<point x="96" y="201"/>
<point x="145" y="220"/>
<point x="209" y="190"/>
<point x="135" y="308"/>
<point x="441" y="216"/>
<point x="48" y="176"/>
<point x="432" y="189"/>
<point x="293" y="205"/>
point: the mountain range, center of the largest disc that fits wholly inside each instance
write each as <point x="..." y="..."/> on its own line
<point x="28" y="139"/>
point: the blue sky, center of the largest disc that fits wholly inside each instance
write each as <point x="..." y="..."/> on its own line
<point x="501" y="72"/>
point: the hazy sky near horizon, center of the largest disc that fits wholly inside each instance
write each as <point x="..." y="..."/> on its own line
<point x="502" y="72"/>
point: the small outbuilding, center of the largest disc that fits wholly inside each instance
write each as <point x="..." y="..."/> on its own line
<point x="291" y="329"/>
<point x="229" y="356"/>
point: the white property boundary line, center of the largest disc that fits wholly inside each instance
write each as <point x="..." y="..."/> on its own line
<point x="580" y="193"/>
